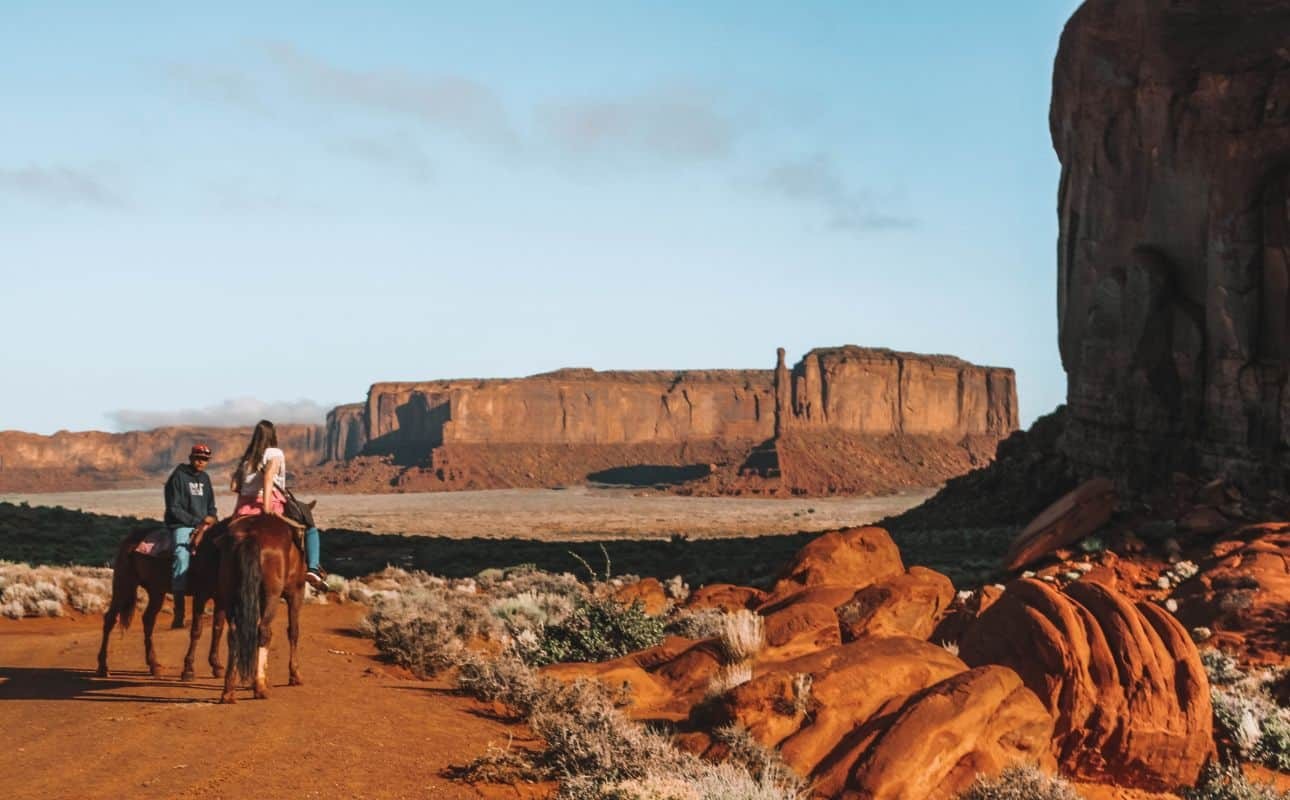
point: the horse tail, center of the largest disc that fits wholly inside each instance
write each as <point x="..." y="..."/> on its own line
<point x="245" y="610"/>
<point x="125" y="583"/>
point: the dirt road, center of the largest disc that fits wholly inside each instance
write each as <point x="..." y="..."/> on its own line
<point x="355" y="729"/>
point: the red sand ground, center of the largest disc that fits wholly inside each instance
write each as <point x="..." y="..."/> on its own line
<point x="355" y="729"/>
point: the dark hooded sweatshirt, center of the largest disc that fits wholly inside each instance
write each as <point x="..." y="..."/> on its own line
<point x="189" y="497"/>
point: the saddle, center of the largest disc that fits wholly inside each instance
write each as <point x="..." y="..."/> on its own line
<point x="157" y="543"/>
<point x="160" y="543"/>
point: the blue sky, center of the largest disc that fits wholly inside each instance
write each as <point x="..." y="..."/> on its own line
<point x="206" y="211"/>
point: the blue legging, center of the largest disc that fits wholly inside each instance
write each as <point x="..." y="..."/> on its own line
<point x="313" y="548"/>
<point x="179" y="568"/>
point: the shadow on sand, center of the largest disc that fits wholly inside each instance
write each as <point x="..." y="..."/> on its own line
<point x="57" y="683"/>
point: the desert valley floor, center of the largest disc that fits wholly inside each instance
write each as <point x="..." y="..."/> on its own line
<point x="551" y="514"/>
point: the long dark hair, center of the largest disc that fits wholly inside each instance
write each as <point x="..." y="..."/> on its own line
<point x="264" y="437"/>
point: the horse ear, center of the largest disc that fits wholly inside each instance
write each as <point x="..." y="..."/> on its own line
<point x="310" y="505"/>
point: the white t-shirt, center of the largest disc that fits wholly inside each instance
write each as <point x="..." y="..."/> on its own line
<point x="253" y="482"/>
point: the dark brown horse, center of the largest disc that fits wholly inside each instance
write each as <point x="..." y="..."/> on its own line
<point x="259" y="563"/>
<point x="132" y="569"/>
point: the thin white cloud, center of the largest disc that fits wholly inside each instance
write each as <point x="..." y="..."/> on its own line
<point x="447" y="102"/>
<point x="675" y="123"/>
<point x="59" y="185"/>
<point x="816" y="181"/>
<point x="396" y="153"/>
<point x="230" y="86"/>
<point x="235" y="412"/>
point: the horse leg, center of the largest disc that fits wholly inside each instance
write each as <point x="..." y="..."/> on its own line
<point x="217" y="630"/>
<point x="109" y="620"/>
<point x="294" y="599"/>
<point x="262" y="658"/>
<point x="155" y="599"/>
<point x="194" y="635"/>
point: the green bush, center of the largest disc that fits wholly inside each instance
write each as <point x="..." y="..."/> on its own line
<point x="598" y="630"/>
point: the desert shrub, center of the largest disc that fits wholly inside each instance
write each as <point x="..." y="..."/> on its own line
<point x="706" y="623"/>
<point x="760" y="761"/>
<point x="426" y="629"/>
<point x="27" y="591"/>
<point x="1228" y="782"/>
<point x="426" y="622"/>
<point x="706" y="782"/>
<point x="532" y="609"/>
<point x="677" y="589"/>
<point x="505" y="679"/>
<point x="728" y="676"/>
<point x="1246" y="713"/>
<point x="598" y="630"/>
<point x="742" y="635"/>
<point x="595" y="751"/>
<point x="1019" y="783"/>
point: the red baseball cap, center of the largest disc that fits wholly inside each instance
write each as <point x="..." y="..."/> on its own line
<point x="200" y="451"/>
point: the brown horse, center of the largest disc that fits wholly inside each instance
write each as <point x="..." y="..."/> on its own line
<point x="259" y="563"/>
<point x="132" y="569"/>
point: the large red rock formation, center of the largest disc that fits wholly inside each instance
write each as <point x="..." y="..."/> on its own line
<point x="876" y="391"/>
<point x="858" y="421"/>
<point x="93" y="459"/>
<point x="1124" y="681"/>
<point x="1172" y="124"/>
<point x="852" y="557"/>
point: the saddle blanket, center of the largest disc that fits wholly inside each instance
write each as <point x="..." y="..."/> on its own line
<point x="158" y="544"/>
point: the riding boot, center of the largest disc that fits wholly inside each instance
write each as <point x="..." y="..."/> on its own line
<point x="178" y="620"/>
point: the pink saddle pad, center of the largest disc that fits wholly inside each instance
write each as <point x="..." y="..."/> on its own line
<point x="158" y="544"/>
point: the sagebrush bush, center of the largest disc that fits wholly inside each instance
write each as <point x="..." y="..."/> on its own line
<point x="27" y="591"/>
<point x="1246" y="713"/>
<point x="594" y="750"/>
<point x="1228" y="782"/>
<point x="1020" y="783"/>
<point x="706" y="782"/>
<point x="426" y="623"/>
<point x="597" y="630"/>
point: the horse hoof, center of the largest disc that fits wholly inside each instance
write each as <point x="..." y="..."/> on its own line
<point x="218" y="672"/>
<point x="186" y="675"/>
<point x="101" y="673"/>
<point x="227" y="699"/>
<point x="295" y="680"/>
<point x="156" y="671"/>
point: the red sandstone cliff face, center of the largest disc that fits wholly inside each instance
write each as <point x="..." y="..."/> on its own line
<point x="94" y="459"/>
<point x="850" y="420"/>
<point x="572" y="406"/>
<point x="1172" y="124"/>
<point x="877" y="391"/>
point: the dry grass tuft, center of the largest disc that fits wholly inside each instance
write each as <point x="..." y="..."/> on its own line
<point x="27" y="591"/>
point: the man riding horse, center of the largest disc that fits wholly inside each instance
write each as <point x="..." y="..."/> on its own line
<point x="190" y="504"/>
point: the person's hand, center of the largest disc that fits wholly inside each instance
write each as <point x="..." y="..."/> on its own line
<point x="208" y="520"/>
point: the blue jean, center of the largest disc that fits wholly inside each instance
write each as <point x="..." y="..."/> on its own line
<point x="313" y="548"/>
<point x="179" y="569"/>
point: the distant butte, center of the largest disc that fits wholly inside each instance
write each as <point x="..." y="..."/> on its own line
<point x="846" y="419"/>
